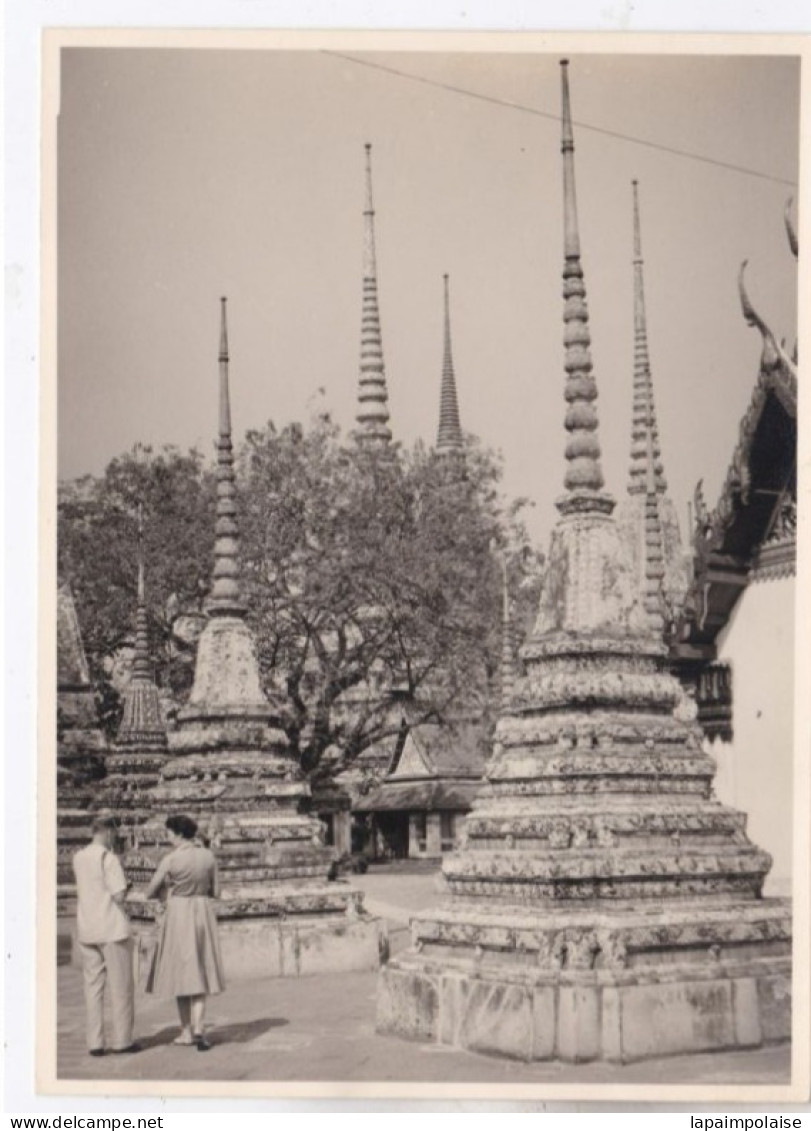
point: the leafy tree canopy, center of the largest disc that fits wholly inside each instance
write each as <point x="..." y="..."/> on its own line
<point x="369" y="577"/>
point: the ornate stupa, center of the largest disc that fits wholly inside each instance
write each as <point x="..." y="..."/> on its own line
<point x="373" y="408"/>
<point x="232" y="771"/>
<point x="81" y="745"/>
<point x="646" y="455"/>
<point x="140" y="748"/>
<point x="605" y="904"/>
<point x="449" y="439"/>
<point x="373" y="434"/>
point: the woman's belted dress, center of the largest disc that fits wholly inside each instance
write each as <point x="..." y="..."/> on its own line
<point x="187" y="960"/>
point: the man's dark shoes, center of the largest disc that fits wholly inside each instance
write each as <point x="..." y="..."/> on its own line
<point x="134" y="1047"/>
<point x="203" y="1044"/>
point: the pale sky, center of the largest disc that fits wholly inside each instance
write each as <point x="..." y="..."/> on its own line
<point x="184" y="175"/>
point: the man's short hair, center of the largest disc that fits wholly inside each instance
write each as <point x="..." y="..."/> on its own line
<point x="105" y="821"/>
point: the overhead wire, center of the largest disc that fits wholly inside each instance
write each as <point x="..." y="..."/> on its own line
<point x="617" y="134"/>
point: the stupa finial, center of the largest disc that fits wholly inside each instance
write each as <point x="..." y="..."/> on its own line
<point x="225" y="596"/>
<point x="225" y="398"/>
<point x="645" y="450"/>
<point x="791" y="231"/>
<point x="140" y="552"/>
<point x="449" y="435"/>
<point x="141" y="667"/>
<point x="584" y="476"/>
<point x="373" y="413"/>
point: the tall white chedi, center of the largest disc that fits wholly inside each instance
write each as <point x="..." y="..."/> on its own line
<point x="605" y="904"/>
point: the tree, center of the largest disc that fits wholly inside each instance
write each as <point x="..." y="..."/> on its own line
<point x="373" y="577"/>
<point x="369" y="576"/>
<point x="98" y="538"/>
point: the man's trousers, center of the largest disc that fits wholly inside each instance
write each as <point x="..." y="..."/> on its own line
<point x="110" y="964"/>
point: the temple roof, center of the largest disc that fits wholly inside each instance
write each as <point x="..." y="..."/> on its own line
<point x="749" y="533"/>
<point x="453" y="751"/>
<point x="429" y="795"/>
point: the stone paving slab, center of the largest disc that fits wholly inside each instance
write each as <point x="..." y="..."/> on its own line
<point x="322" y="1029"/>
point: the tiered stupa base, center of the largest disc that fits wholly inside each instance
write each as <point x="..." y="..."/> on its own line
<point x="278" y="914"/>
<point x="590" y="984"/>
<point x="126" y="791"/>
<point x="604" y="905"/>
<point x="80" y="768"/>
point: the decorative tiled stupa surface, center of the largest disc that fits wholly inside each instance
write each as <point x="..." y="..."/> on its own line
<point x="230" y="767"/>
<point x="81" y="745"/>
<point x="140" y="748"/>
<point x="605" y="904"/>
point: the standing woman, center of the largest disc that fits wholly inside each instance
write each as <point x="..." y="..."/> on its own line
<point x="187" y="963"/>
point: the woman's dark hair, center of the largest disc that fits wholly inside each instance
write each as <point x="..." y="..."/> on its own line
<point x="182" y="826"/>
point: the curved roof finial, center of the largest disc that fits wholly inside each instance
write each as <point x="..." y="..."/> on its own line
<point x="791" y="231"/>
<point x="770" y="353"/>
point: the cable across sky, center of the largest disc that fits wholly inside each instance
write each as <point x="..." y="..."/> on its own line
<point x="555" y="117"/>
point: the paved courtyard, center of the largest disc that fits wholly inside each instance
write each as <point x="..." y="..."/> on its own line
<point x="322" y="1029"/>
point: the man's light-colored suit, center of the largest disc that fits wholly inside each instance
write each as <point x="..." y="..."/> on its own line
<point x="105" y="944"/>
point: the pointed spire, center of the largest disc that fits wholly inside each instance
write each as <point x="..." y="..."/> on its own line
<point x="584" y="476"/>
<point x="141" y="668"/>
<point x="373" y="413"/>
<point x="507" y="657"/>
<point x="449" y="435"/>
<point x="142" y="719"/>
<point x="225" y="598"/>
<point x="645" y="449"/>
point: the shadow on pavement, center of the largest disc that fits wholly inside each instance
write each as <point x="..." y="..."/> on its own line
<point x="241" y="1032"/>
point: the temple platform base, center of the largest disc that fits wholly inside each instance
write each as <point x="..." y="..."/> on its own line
<point x="586" y="1016"/>
<point x="584" y="985"/>
<point x="282" y="930"/>
<point x="290" y="949"/>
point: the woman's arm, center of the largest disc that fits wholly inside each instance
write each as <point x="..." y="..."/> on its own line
<point x="158" y="881"/>
<point x="215" y="881"/>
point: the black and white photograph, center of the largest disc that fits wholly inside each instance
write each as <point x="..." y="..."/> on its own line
<point x="421" y="711"/>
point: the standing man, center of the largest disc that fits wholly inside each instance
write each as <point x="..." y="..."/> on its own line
<point x="104" y="939"/>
